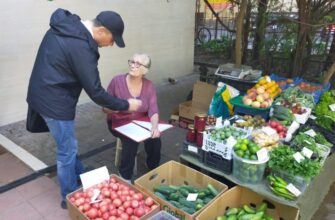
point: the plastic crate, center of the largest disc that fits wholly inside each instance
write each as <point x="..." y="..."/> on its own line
<point x="193" y="150"/>
<point x="218" y="162"/>
<point x="278" y="78"/>
<point x="241" y="109"/>
<point x="162" y="215"/>
<point x="317" y="93"/>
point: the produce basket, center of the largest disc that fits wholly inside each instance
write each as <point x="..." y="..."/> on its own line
<point x="218" y="162"/>
<point x="193" y="150"/>
<point x="163" y="215"/>
<point x="306" y="87"/>
<point x="248" y="171"/>
<point x="277" y="78"/>
<point x="241" y="109"/>
<point x="77" y="213"/>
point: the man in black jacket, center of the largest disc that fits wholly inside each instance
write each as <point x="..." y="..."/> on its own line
<point x="66" y="63"/>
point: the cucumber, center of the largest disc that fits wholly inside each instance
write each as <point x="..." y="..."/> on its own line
<point x="231" y="211"/>
<point x="174" y="196"/>
<point x="184" y="192"/>
<point x="188" y="210"/>
<point x="186" y="203"/>
<point x="175" y="203"/>
<point x="231" y="217"/>
<point x="189" y="188"/>
<point x="212" y="190"/>
<point x="160" y="195"/>
<point x="248" y="209"/>
<point x="165" y="189"/>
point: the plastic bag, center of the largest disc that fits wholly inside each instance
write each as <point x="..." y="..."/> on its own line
<point x="218" y="106"/>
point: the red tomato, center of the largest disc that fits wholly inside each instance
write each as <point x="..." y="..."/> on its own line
<point x="134" y="204"/>
<point x="129" y="211"/>
<point x="138" y="196"/>
<point x="112" y="218"/>
<point x="126" y="204"/>
<point x="104" y="208"/>
<point x="114" y="195"/>
<point x="149" y="201"/>
<point x="113" y="212"/>
<point x="133" y="217"/>
<point x="105" y="216"/>
<point x="123" y="198"/>
<point x="154" y="206"/>
<point x="139" y="212"/>
<point x="79" y="201"/>
<point x="117" y="202"/>
<point x="113" y="180"/>
<point x="115" y="187"/>
<point x="124" y="216"/>
<point x="86" y="206"/>
<point x="131" y="192"/>
<point x="92" y="213"/>
<point x="78" y="195"/>
<point x="147" y="209"/>
<point x="106" y="192"/>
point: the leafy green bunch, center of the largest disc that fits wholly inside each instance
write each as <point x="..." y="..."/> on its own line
<point x="281" y="158"/>
<point x="325" y="116"/>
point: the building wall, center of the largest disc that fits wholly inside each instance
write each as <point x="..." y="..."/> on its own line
<point x="162" y="28"/>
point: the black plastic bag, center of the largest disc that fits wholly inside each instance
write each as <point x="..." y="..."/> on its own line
<point x="35" y="123"/>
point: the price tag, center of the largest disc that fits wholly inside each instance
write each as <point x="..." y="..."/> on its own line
<point x="290" y="187"/>
<point x="192" y="197"/>
<point x="192" y="149"/>
<point x="312" y="117"/>
<point x="310" y="132"/>
<point x="262" y="154"/>
<point x="268" y="79"/>
<point x="240" y="121"/>
<point x="94" y="177"/>
<point x="216" y="147"/>
<point x="332" y="107"/>
<point x="226" y="123"/>
<point x="307" y="152"/>
<point x="231" y="141"/>
<point x="298" y="157"/>
<point x="96" y="193"/>
<point x="218" y="122"/>
<point x="269" y="131"/>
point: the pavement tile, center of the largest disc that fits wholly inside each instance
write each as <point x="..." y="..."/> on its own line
<point x="11" y="169"/>
<point x="10" y="199"/>
<point x="36" y="187"/>
<point x="22" y="211"/>
<point x="47" y="202"/>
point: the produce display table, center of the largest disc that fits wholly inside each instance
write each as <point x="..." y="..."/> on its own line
<point x="307" y="203"/>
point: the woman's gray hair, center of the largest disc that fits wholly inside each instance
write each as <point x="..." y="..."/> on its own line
<point x="145" y="60"/>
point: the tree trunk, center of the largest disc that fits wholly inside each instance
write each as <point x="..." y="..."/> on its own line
<point x="258" y="44"/>
<point x="239" y="31"/>
<point x="331" y="55"/>
<point x="329" y="74"/>
<point x="246" y="33"/>
<point x="300" y="52"/>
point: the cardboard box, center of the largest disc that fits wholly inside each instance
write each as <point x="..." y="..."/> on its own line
<point x="187" y="110"/>
<point x="201" y="99"/>
<point x="175" y="173"/>
<point x="238" y="196"/>
<point x="202" y="94"/>
<point x="76" y="214"/>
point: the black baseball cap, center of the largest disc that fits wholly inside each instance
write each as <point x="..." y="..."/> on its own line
<point x="114" y="23"/>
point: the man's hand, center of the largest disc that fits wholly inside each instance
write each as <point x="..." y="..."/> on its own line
<point x="134" y="104"/>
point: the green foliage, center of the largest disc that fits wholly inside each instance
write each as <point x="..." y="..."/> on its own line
<point x="325" y="117"/>
<point x="281" y="158"/>
<point x="218" y="46"/>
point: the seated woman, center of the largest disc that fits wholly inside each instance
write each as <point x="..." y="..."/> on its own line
<point x="134" y="85"/>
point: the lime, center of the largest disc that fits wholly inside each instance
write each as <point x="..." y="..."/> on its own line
<point x="239" y="153"/>
<point x="253" y="157"/>
<point x="245" y="141"/>
<point x="244" y="147"/>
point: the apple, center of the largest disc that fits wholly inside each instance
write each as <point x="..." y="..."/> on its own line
<point x="260" y="90"/>
<point x="260" y="98"/>
<point x="264" y="104"/>
<point x="256" y="104"/>
<point x="252" y="95"/>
